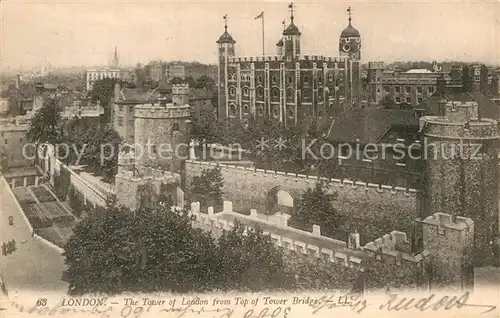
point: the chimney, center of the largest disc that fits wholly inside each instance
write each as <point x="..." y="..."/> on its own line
<point x="441" y="85"/>
<point x="316" y="230"/>
<point x="117" y="91"/>
<point x="18" y="81"/>
<point x="354" y="240"/>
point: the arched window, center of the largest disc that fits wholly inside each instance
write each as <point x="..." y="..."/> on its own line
<point x="290" y="94"/>
<point x="259" y="79"/>
<point x="245" y="109"/>
<point x="330" y="105"/>
<point x="306" y="79"/>
<point x="320" y="113"/>
<point x="246" y="91"/>
<point x="275" y="112"/>
<point x="260" y="111"/>
<point x="232" y="110"/>
<point x="175" y="126"/>
<point x="290" y="79"/>
<point x="232" y="91"/>
<point x="320" y="93"/>
<point x="291" y="113"/>
<point x="275" y="92"/>
<point x="260" y="92"/>
<point x="274" y="79"/>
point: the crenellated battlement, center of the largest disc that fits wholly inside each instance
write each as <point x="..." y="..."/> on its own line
<point x="447" y="221"/>
<point x="395" y="246"/>
<point x="277" y="58"/>
<point x="292" y="240"/>
<point x="149" y="111"/>
<point x="292" y="177"/>
<point x="148" y="173"/>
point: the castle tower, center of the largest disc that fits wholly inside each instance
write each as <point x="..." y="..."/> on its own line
<point x="375" y="72"/>
<point x="291" y="37"/>
<point x="460" y="152"/>
<point x="162" y="132"/>
<point x="226" y="50"/>
<point x="450" y="242"/>
<point x="350" y="41"/>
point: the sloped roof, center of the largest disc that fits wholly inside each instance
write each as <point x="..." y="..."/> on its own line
<point x="369" y="125"/>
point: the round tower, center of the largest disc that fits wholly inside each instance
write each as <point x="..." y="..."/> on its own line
<point x="162" y="132"/>
<point x="461" y="170"/>
<point x="350" y="41"/>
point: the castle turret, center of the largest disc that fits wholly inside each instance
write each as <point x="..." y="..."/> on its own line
<point x="226" y="50"/>
<point x="450" y="242"/>
<point x="291" y="37"/>
<point x="350" y="41"/>
<point x="162" y="131"/>
<point x="462" y="173"/>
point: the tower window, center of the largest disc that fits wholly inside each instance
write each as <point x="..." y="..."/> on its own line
<point x="260" y="111"/>
<point x="430" y="89"/>
<point x="274" y="79"/>
<point x="306" y="79"/>
<point x="232" y="110"/>
<point x="387" y="89"/>
<point x="245" y="109"/>
<point x="232" y="91"/>
<point x="419" y="89"/>
<point x="290" y="113"/>
<point x="289" y="94"/>
<point x="290" y="79"/>
<point x="275" y="111"/>
<point x="320" y="113"/>
<point x="245" y="91"/>
<point x="275" y="93"/>
<point x="175" y="127"/>
<point x="408" y="89"/>
<point x="398" y="100"/>
<point x="408" y="100"/>
<point x="260" y="92"/>
<point x="397" y="89"/>
<point x="259" y="79"/>
<point x="330" y="105"/>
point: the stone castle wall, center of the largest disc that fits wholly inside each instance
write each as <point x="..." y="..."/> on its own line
<point x="371" y="209"/>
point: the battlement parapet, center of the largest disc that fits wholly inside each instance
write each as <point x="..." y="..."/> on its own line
<point x="148" y="111"/>
<point x="277" y="58"/>
<point x="149" y="174"/>
<point x="456" y="127"/>
<point x="396" y="246"/>
<point x="447" y="221"/>
<point x="358" y="185"/>
<point x="288" y="238"/>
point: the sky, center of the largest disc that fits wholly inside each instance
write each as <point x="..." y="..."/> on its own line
<point x="74" y="33"/>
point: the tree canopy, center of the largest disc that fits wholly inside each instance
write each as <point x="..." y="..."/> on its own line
<point x="45" y="126"/>
<point x="156" y="249"/>
<point x="207" y="188"/>
<point x="315" y="207"/>
<point x="102" y="92"/>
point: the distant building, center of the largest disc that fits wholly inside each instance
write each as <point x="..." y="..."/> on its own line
<point x="93" y="75"/>
<point x="13" y="139"/>
<point x="175" y="71"/>
<point x="155" y="71"/>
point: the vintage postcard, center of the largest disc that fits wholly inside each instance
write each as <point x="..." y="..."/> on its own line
<point x="249" y="159"/>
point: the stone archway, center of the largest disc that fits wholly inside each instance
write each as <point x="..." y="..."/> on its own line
<point x="279" y="199"/>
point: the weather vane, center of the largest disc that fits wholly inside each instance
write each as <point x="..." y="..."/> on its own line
<point x="225" y="21"/>
<point x="349" y="11"/>
<point x="290" y="6"/>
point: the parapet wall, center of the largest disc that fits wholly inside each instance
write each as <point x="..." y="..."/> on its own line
<point x="276" y="58"/>
<point x="147" y="111"/>
<point x="328" y="249"/>
<point x="372" y="209"/>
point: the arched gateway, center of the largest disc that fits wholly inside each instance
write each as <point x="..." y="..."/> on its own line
<point x="279" y="199"/>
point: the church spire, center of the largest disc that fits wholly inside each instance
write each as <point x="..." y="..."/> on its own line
<point x="115" y="57"/>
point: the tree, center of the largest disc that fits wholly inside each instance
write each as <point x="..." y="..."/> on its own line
<point x="251" y="262"/>
<point x="102" y="92"/>
<point x="387" y="102"/>
<point x="315" y="208"/>
<point x="207" y="188"/>
<point x="4" y="159"/>
<point x="45" y="126"/>
<point x="204" y="81"/>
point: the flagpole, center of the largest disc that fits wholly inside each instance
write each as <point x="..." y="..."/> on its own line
<point x="263" y="48"/>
